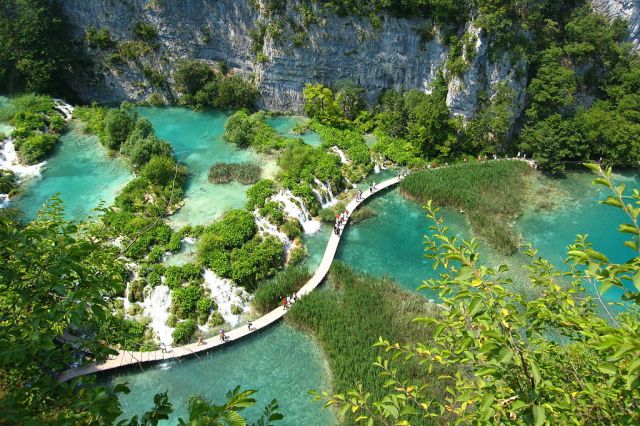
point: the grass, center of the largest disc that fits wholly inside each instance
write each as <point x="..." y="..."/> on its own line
<point x="245" y="173"/>
<point x="347" y="319"/>
<point x="269" y="294"/>
<point x="491" y="194"/>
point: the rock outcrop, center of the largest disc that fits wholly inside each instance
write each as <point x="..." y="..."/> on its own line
<point x="391" y="53"/>
<point x="629" y="10"/>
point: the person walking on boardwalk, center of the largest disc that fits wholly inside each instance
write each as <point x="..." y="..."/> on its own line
<point x="249" y="325"/>
<point x="223" y="337"/>
<point x="284" y="303"/>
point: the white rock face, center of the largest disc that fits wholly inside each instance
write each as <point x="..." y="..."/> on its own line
<point x="226" y="293"/>
<point x="629" y="10"/>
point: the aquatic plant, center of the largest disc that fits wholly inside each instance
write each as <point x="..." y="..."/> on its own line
<point x="246" y="173"/>
<point x="351" y="315"/>
<point x="269" y="293"/>
<point x="490" y="194"/>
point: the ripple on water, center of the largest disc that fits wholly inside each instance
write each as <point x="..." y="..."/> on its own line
<point x="280" y="363"/>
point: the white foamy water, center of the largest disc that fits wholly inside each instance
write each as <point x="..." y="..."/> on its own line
<point x="269" y="228"/>
<point x="324" y="194"/>
<point x="9" y="161"/>
<point x="63" y="108"/>
<point x="341" y="154"/>
<point x="295" y="207"/>
<point x="157" y="302"/>
<point x="226" y="293"/>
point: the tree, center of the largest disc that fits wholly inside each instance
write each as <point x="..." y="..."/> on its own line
<point x="118" y="125"/>
<point x="547" y="359"/>
<point x="239" y="130"/>
<point x="349" y="99"/>
<point x="191" y="76"/>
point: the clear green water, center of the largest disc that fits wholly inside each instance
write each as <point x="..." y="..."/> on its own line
<point x="196" y="138"/>
<point x="81" y="172"/>
<point x="280" y="363"/>
<point x="285" y="124"/>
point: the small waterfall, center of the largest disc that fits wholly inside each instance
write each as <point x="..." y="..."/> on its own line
<point x="269" y="228"/>
<point x="226" y="293"/>
<point x="378" y="165"/>
<point x="63" y="108"/>
<point x="294" y="207"/>
<point x="324" y="194"/>
<point x="351" y="184"/>
<point x="157" y="302"/>
<point x="9" y="161"/>
<point x="341" y="154"/>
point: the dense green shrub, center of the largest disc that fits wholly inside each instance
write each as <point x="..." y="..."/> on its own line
<point x="35" y="147"/>
<point x="118" y="124"/>
<point x="272" y="210"/>
<point x="256" y="260"/>
<point x="244" y="130"/>
<point x="259" y="193"/>
<point x="8" y="182"/>
<point x="184" y="301"/>
<point x="98" y="39"/>
<point x="144" y="31"/>
<point x="269" y="294"/>
<point x="291" y="228"/>
<point x="175" y="276"/>
<point x="184" y="332"/>
<point x="245" y="173"/>
<point x="216" y="319"/>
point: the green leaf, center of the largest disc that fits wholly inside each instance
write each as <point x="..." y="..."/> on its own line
<point x="535" y="371"/>
<point x="539" y="415"/>
<point x="628" y="228"/>
<point x="608" y="368"/>
<point x="612" y="201"/>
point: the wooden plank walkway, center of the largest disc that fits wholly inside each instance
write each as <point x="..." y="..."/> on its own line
<point x="126" y="358"/>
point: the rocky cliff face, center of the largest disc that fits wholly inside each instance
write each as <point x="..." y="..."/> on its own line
<point x="629" y="10"/>
<point x="390" y="55"/>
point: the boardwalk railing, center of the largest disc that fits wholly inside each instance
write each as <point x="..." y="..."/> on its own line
<point x="125" y="358"/>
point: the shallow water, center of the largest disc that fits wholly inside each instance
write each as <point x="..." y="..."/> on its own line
<point x="285" y="124"/>
<point x="81" y="172"/>
<point x="196" y="138"/>
<point x="279" y="362"/>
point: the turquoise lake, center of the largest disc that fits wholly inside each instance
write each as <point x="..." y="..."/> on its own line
<point x="280" y="362"/>
<point x="81" y="172"/>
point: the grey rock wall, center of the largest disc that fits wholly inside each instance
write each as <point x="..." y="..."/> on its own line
<point x="628" y="10"/>
<point x="336" y="48"/>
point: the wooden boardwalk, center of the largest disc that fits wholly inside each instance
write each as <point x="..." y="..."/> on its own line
<point x="126" y="358"/>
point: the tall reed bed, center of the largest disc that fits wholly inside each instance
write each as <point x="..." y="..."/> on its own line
<point x="270" y="293"/>
<point x="350" y="316"/>
<point x="491" y="194"/>
<point x="246" y="173"/>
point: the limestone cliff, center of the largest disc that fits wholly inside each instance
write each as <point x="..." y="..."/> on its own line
<point x="391" y="53"/>
<point x="629" y="10"/>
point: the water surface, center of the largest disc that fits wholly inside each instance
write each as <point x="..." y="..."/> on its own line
<point x="279" y="362"/>
<point x="83" y="174"/>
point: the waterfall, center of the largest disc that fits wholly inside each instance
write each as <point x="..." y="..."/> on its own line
<point x="225" y="293"/>
<point x="9" y="161"/>
<point x="341" y="154"/>
<point x="324" y="194"/>
<point x="294" y="207"/>
<point x="269" y="228"/>
<point x="63" y="108"/>
<point x="157" y="302"/>
<point x="378" y="165"/>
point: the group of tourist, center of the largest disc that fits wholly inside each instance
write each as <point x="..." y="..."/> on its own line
<point x="341" y="220"/>
<point x="287" y="301"/>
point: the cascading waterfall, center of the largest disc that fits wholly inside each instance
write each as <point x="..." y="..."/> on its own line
<point x="341" y="154"/>
<point x="324" y="194"/>
<point x="295" y="207"/>
<point x="378" y="165"/>
<point x="157" y="302"/>
<point x="63" y="108"/>
<point x="226" y="293"/>
<point x="9" y="161"/>
<point x="269" y="228"/>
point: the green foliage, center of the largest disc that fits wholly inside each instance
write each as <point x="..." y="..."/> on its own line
<point x="98" y="39"/>
<point x="255" y="261"/>
<point x="273" y="211"/>
<point x="259" y="193"/>
<point x="245" y="173"/>
<point x="176" y="276"/>
<point x="144" y="31"/>
<point x="299" y="163"/>
<point x="37" y="126"/>
<point x="118" y="125"/>
<point x="244" y="131"/>
<point x="269" y="294"/>
<point x="56" y="280"/>
<point x="550" y="359"/>
<point x="320" y="104"/>
<point x="36" y="53"/>
<point x="184" y="331"/>
<point x="348" y="318"/>
<point x="201" y="87"/>
<point x="184" y="301"/>
<point x="8" y="182"/>
<point x="291" y="228"/>
<point x="490" y="194"/>
<point x="204" y="412"/>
